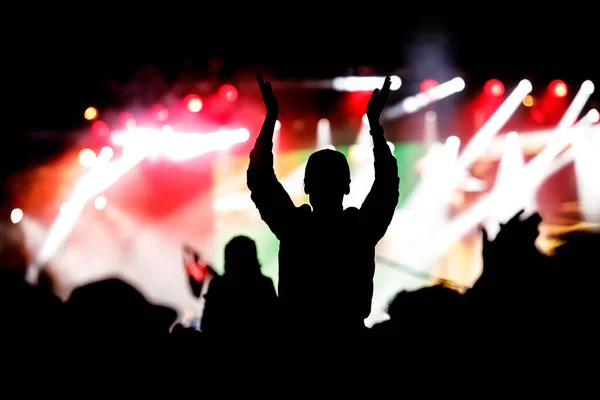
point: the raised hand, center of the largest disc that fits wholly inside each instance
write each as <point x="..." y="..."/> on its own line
<point x="269" y="98"/>
<point x="518" y="232"/>
<point x="511" y="258"/>
<point x="377" y="102"/>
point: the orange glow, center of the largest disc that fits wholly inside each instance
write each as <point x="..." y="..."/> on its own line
<point x="90" y="113"/>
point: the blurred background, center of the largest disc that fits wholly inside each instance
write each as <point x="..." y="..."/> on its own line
<point x="127" y="135"/>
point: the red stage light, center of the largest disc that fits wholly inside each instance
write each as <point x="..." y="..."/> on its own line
<point x="160" y="112"/>
<point x="229" y="92"/>
<point x="558" y="88"/>
<point x="128" y="120"/>
<point x="428" y="84"/>
<point x="100" y="128"/>
<point x="494" y="87"/>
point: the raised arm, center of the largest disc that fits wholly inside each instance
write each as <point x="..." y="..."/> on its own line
<point x="272" y="201"/>
<point x="379" y="206"/>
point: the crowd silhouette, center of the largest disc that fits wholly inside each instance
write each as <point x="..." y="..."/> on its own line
<point x="523" y="303"/>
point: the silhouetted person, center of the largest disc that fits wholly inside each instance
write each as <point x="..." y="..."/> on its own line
<point x="30" y="316"/>
<point x="115" y="312"/>
<point x="573" y="287"/>
<point x="242" y="302"/>
<point x="326" y="254"/>
<point x="421" y="313"/>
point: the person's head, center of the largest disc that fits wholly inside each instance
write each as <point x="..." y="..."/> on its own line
<point x="241" y="256"/>
<point x="327" y="179"/>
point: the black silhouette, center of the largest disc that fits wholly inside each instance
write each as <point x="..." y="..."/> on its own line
<point x="326" y="255"/>
<point x="242" y="301"/>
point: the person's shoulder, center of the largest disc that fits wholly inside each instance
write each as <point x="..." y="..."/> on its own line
<point x="304" y="210"/>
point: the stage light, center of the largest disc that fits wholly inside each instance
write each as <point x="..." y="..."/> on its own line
<point x="528" y="101"/>
<point x="16" y="215"/>
<point x="193" y="103"/>
<point x="100" y="202"/>
<point x="160" y="112"/>
<point x="428" y="84"/>
<point x="90" y="113"/>
<point x="87" y="157"/>
<point x="414" y="103"/>
<point x="588" y="87"/>
<point x="100" y="128"/>
<point x="229" y="92"/>
<point x="453" y="142"/>
<point x="167" y="128"/>
<point x="130" y="123"/>
<point x="494" y="87"/>
<point x="512" y="137"/>
<point x="107" y="152"/>
<point x="128" y="120"/>
<point x="430" y="116"/>
<point x="363" y="83"/>
<point x="558" y="88"/>
<point x="593" y="116"/>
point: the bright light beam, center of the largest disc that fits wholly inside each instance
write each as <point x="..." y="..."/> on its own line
<point x="178" y="146"/>
<point x="138" y="144"/>
<point x="586" y="150"/>
<point x="363" y="83"/>
<point x="454" y="175"/>
<point x="324" y="135"/>
<point x="561" y="135"/>
<point x="64" y="223"/>
<point x="486" y="133"/>
<point x="419" y="101"/>
<point x="507" y="184"/>
<point x="531" y="178"/>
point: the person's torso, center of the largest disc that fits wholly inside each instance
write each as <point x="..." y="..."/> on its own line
<point x="326" y="267"/>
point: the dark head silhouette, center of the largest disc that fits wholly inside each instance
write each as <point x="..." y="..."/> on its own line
<point x="327" y="180"/>
<point x="114" y="308"/>
<point x="241" y="257"/>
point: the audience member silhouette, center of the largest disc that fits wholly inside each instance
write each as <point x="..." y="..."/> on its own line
<point x="113" y="311"/>
<point x="326" y="254"/>
<point x="421" y="313"/>
<point x="241" y="302"/>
